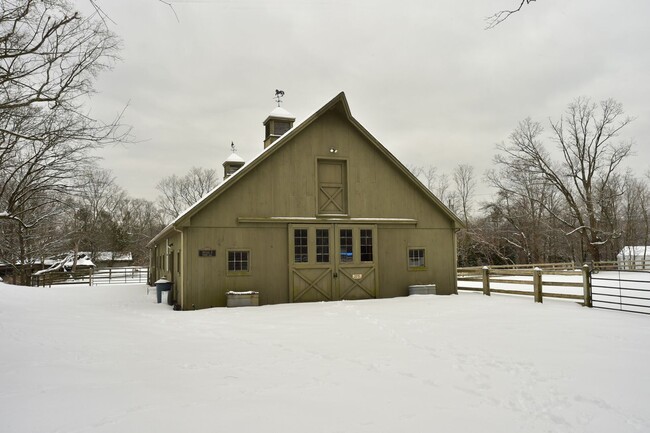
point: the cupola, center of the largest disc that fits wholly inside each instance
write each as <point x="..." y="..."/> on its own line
<point x="278" y="122"/>
<point x="233" y="163"/>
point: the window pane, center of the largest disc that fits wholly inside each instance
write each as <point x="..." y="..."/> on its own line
<point x="346" y="245"/>
<point x="322" y="245"/>
<point x="416" y="258"/>
<point x="238" y="261"/>
<point x="366" y="245"/>
<point x="300" y="253"/>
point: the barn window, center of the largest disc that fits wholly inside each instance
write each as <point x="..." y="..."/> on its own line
<point x="366" y="245"/>
<point x="322" y="245"/>
<point x="416" y="258"/>
<point x="345" y="237"/>
<point x="300" y="248"/>
<point x="238" y="261"/>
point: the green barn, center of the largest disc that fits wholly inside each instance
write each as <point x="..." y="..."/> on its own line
<point x="325" y="212"/>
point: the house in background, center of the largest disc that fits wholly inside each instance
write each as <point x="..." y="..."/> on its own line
<point x="110" y="259"/>
<point x="634" y="257"/>
<point x="325" y="212"/>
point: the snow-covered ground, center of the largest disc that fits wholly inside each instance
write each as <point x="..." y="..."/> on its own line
<point x="109" y="359"/>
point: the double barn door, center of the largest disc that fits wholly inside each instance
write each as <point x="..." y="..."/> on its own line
<point x="329" y="262"/>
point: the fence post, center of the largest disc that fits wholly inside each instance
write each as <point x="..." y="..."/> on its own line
<point x="486" y="281"/>
<point x="537" y="284"/>
<point x="586" y="285"/>
<point x="90" y="277"/>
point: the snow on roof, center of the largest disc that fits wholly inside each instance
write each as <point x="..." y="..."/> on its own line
<point x="280" y="140"/>
<point x="634" y="251"/>
<point x="235" y="175"/>
<point x="81" y="261"/>
<point x="282" y="113"/>
<point x="234" y="158"/>
<point x="107" y="256"/>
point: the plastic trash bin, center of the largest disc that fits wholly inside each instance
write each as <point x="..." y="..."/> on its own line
<point x="162" y="285"/>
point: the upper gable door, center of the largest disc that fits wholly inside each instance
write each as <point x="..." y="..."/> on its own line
<point x="332" y="187"/>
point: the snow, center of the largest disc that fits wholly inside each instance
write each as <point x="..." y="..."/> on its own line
<point x="280" y="112"/>
<point x="107" y="256"/>
<point x="234" y="158"/>
<point x="635" y="251"/>
<point x="83" y="261"/>
<point x="109" y="359"/>
<point x="633" y="257"/>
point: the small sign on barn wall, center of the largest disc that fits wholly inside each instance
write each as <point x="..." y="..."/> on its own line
<point x="207" y="253"/>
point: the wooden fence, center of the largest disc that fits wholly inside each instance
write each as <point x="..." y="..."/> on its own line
<point x="500" y="279"/>
<point x="94" y="277"/>
<point x="623" y="265"/>
<point x="564" y="266"/>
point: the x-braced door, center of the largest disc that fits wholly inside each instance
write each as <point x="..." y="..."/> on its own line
<point x="356" y="262"/>
<point x="332" y="262"/>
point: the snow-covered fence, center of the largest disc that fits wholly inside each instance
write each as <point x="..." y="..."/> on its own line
<point x="623" y="265"/>
<point x="53" y="278"/>
<point x="564" y="266"/>
<point x="529" y="281"/>
<point x="94" y="277"/>
<point x="126" y="275"/>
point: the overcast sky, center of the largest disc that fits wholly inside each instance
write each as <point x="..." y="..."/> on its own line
<point x="422" y="76"/>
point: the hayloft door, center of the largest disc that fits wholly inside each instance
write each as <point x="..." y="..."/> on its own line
<point x="332" y="187"/>
<point x="331" y="262"/>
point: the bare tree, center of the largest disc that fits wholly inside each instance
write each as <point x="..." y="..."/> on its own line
<point x="92" y="226"/>
<point x="25" y="249"/>
<point x="499" y="17"/>
<point x="135" y="223"/>
<point x="635" y="211"/>
<point x="179" y="193"/>
<point x="522" y="201"/>
<point x="465" y="188"/>
<point x="588" y="160"/>
<point x="439" y="184"/>
<point x="49" y="56"/>
<point x="427" y="175"/>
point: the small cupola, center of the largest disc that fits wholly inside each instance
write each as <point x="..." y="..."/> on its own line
<point x="233" y="163"/>
<point x="278" y="122"/>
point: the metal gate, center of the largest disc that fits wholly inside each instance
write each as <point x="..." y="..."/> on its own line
<point x="621" y="290"/>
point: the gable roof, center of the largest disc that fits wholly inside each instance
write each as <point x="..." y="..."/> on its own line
<point x="338" y="103"/>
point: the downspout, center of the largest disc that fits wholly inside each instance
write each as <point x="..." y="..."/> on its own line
<point x="455" y="262"/>
<point x="181" y="269"/>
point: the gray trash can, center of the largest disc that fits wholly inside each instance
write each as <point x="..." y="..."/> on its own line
<point x="162" y="285"/>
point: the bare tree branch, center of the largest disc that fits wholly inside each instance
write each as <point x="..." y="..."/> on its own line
<point x="585" y="174"/>
<point x="501" y="16"/>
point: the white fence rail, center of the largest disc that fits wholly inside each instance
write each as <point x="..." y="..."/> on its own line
<point x="94" y="277"/>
